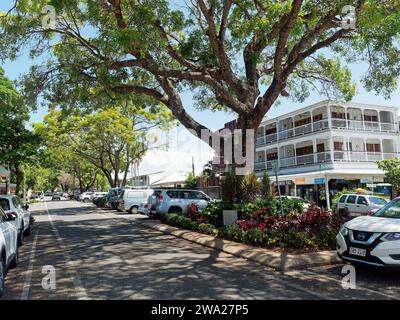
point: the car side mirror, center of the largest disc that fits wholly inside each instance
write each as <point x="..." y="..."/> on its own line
<point x="26" y="207"/>
<point x="11" y="217"/>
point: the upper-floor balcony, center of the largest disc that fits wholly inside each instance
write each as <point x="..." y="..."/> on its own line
<point x="326" y="118"/>
<point x="322" y="150"/>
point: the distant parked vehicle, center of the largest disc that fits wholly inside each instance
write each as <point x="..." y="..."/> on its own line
<point x="12" y="206"/>
<point x="86" y="196"/>
<point x="8" y="246"/>
<point x="175" y="200"/>
<point x="133" y="200"/>
<point x="56" y="196"/>
<point x="97" y="196"/>
<point x="113" y="197"/>
<point x="359" y="204"/>
<point x="48" y="194"/>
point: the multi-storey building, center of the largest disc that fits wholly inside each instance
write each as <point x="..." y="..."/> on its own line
<point x="328" y="146"/>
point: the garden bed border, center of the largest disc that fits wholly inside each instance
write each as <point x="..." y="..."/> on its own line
<point x="280" y="261"/>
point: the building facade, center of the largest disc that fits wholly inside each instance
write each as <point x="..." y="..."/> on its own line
<point x="326" y="147"/>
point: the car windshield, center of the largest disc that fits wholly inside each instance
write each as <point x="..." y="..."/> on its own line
<point x="391" y="210"/>
<point x="5" y="204"/>
<point x="378" y="201"/>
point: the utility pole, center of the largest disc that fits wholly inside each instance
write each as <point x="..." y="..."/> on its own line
<point x="193" y="171"/>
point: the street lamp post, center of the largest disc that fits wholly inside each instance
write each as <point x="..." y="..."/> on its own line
<point x="275" y="167"/>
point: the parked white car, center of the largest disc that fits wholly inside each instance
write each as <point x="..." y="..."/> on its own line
<point x="360" y="204"/>
<point x="372" y="240"/>
<point x="8" y="246"/>
<point x="12" y="206"/>
<point x="86" y="196"/>
<point x="133" y="200"/>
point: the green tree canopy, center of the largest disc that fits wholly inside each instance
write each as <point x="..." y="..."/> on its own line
<point x="107" y="139"/>
<point x="392" y="170"/>
<point x="239" y="56"/>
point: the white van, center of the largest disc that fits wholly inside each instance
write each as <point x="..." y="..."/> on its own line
<point x="131" y="200"/>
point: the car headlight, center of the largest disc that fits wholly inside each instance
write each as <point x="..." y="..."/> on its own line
<point x="344" y="231"/>
<point x="393" y="236"/>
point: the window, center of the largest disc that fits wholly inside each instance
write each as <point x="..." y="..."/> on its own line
<point x="196" y="195"/>
<point x="392" y="210"/>
<point x="270" y="131"/>
<point x="351" y="199"/>
<point x="272" y="156"/>
<point x="377" y="200"/>
<point x="317" y="117"/>
<point x="174" y="194"/>
<point x="371" y="147"/>
<point x="362" y="200"/>
<point x="321" y="147"/>
<point x="5" y="204"/>
<point x="338" y="115"/>
<point x="338" y="146"/>
<point x="135" y="194"/>
<point x="304" y="151"/>
<point x="3" y="216"/>
<point x="370" y="118"/>
<point x="343" y="199"/>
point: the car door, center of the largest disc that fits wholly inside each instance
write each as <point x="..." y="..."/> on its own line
<point x="24" y="213"/>
<point x="8" y="232"/>
<point x="362" y="206"/>
<point x="199" y="199"/>
<point x="350" y="204"/>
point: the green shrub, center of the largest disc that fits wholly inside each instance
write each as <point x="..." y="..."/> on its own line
<point x="214" y="212"/>
<point x="208" y="229"/>
<point x="232" y="232"/>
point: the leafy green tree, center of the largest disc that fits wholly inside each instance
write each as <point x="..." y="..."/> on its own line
<point x="237" y="56"/>
<point x="191" y="181"/>
<point x="266" y="189"/>
<point x="392" y="170"/>
<point x="106" y="139"/>
<point x="18" y="145"/>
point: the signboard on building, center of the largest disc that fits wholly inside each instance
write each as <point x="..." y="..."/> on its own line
<point x="319" y="181"/>
<point x="366" y="180"/>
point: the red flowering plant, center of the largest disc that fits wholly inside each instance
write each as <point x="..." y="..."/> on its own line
<point x="192" y="211"/>
<point x="314" y="219"/>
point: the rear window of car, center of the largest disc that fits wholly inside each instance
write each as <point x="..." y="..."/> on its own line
<point x="5" y="204"/>
<point x="378" y="201"/>
<point x="342" y="199"/>
<point x="351" y="199"/>
<point x="135" y="194"/>
<point x="173" y="194"/>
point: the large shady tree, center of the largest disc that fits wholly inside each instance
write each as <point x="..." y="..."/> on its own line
<point x="233" y="55"/>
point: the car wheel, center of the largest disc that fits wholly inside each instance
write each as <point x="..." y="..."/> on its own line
<point x="134" y="210"/>
<point x="28" y="231"/>
<point x="15" y="261"/>
<point x="2" y="276"/>
<point x="86" y="200"/>
<point x="20" y="240"/>
<point x="175" y="210"/>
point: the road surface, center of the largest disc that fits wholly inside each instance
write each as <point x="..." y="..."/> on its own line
<point x="100" y="254"/>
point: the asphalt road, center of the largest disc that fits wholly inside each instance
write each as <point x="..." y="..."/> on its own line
<point x="98" y="254"/>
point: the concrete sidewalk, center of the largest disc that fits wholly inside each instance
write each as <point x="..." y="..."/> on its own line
<point x="277" y="260"/>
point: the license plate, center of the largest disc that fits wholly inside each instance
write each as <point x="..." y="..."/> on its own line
<point x="358" y="252"/>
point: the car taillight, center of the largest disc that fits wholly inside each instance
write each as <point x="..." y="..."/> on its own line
<point x="161" y="198"/>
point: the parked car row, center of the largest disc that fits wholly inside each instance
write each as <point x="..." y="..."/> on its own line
<point x="15" y="224"/>
<point x="151" y="202"/>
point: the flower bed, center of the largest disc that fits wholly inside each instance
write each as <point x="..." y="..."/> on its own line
<point x="312" y="230"/>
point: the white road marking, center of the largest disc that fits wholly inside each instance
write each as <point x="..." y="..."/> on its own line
<point x="79" y="289"/>
<point x="28" y="277"/>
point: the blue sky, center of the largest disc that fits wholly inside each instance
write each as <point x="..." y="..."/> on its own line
<point x="14" y="69"/>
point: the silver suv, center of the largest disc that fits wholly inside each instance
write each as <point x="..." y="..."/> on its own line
<point x="359" y="204"/>
<point x="175" y="200"/>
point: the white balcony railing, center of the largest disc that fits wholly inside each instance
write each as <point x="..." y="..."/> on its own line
<point x="305" y="159"/>
<point x="326" y="124"/>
